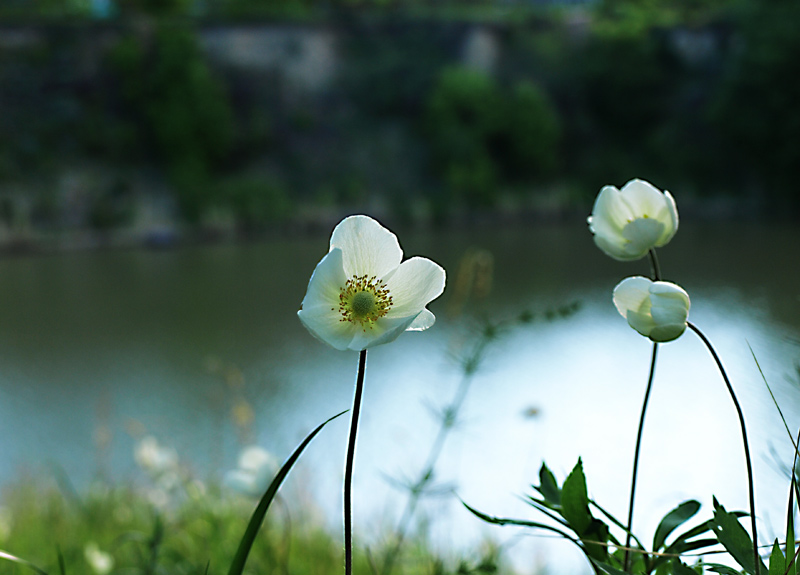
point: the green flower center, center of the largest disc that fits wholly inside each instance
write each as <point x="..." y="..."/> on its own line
<point x="364" y="300"/>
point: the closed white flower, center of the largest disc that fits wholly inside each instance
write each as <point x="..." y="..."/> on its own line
<point x="658" y="310"/>
<point x="628" y="223"/>
<point x="361" y="295"/>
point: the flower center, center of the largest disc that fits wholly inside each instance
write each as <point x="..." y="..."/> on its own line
<point x="364" y="300"/>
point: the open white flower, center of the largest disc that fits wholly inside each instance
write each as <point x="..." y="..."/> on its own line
<point x="257" y="467"/>
<point x="361" y="295"/>
<point x="628" y="223"/>
<point x="657" y="310"/>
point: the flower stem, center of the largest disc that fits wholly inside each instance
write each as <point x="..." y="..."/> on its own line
<point x="751" y="491"/>
<point x="348" y="466"/>
<point x="626" y="564"/>
<point x="654" y="265"/>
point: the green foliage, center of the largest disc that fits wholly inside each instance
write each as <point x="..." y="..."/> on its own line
<point x="482" y="137"/>
<point x="735" y="539"/>
<point x="569" y="507"/>
<point x="255" y="202"/>
<point x="757" y="108"/>
<point x="183" y="114"/>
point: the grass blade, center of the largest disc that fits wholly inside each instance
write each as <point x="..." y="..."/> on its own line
<point x="237" y="566"/>
<point x="18" y="561"/>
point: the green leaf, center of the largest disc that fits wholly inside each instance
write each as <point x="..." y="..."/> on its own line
<point x="777" y="562"/>
<point x="594" y="539"/>
<point x="680" y="568"/>
<point x="518" y="522"/>
<point x="575" y="501"/>
<point x="548" y="486"/>
<point x="606" y="568"/>
<point x="17" y="560"/>
<point x="237" y="566"/>
<point x="672" y="520"/>
<point x="723" y="569"/>
<point x="734" y="538"/>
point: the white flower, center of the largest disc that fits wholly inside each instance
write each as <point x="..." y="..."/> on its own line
<point x="154" y="458"/>
<point x="657" y="310"/>
<point x="360" y="295"/>
<point x="100" y="561"/>
<point x="630" y="222"/>
<point x="257" y="467"/>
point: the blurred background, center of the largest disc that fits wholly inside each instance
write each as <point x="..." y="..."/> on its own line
<point x="215" y="143"/>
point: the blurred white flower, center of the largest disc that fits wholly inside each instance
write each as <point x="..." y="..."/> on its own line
<point x="630" y="222"/>
<point x="101" y="562"/>
<point x="361" y="295"/>
<point x="657" y="310"/>
<point x="153" y="457"/>
<point x="257" y="467"/>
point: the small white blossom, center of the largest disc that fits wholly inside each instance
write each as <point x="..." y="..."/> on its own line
<point x="361" y="295"/>
<point x="257" y="468"/>
<point x="101" y="562"/>
<point x="154" y="458"/>
<point x="657" y="310"/>
<point x="630" y="222"/>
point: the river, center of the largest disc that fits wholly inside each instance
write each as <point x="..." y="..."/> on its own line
<point x="99" y="348"/>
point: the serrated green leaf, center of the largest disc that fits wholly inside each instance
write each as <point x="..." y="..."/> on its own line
<point x="575" y="501"/>
<point x="672" y="520"/>
<point x="735" y="539"/>
<point x="777" y="562"/>
<point x="239" y="560"/>
<point x="548" y="486"/>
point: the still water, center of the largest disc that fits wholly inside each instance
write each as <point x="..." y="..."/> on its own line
<point x="99" y="348"/>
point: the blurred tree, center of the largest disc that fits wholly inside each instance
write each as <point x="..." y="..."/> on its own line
<point x="758" y="109"/>
<point x="181" y="109"/>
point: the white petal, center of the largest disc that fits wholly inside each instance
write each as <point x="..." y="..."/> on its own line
<point x="610" y="213"/>
<point x="368" y="248"/>
<point x="326" y="282"/>
<point x="641" y="322"/>
<point x="643" y="198"/>
<point x="669" y="217"/>
<point x="422" y="322"/>
<point x="642" y="235"/>
<point x="667" y="332"/>
<point x="416" y="283"/>
<point x="670" y="304"/>
<point x="326" y="325"/>
<point x="631" y="293"/>
<point x="386" y="329"/>
<point x="614" y="246"/>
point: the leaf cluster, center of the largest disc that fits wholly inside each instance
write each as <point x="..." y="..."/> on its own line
<point x="569" y="509"/>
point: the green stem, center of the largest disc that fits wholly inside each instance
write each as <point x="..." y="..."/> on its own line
<point x="348" y="466"/>
<point x="655" y="266"/>
<point x="751" y="490"/>
<point x="626" y="564"/>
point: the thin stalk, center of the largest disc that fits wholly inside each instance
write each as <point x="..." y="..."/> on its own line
<point x="654" y="265"/>
<point x="751" y="490"/>
<point x="626" y="564"/>
<point x="417" y="489"/>
<point x="348" y="466"/>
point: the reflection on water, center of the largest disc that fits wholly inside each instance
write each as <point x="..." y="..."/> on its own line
<point x="122" y="341"/>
